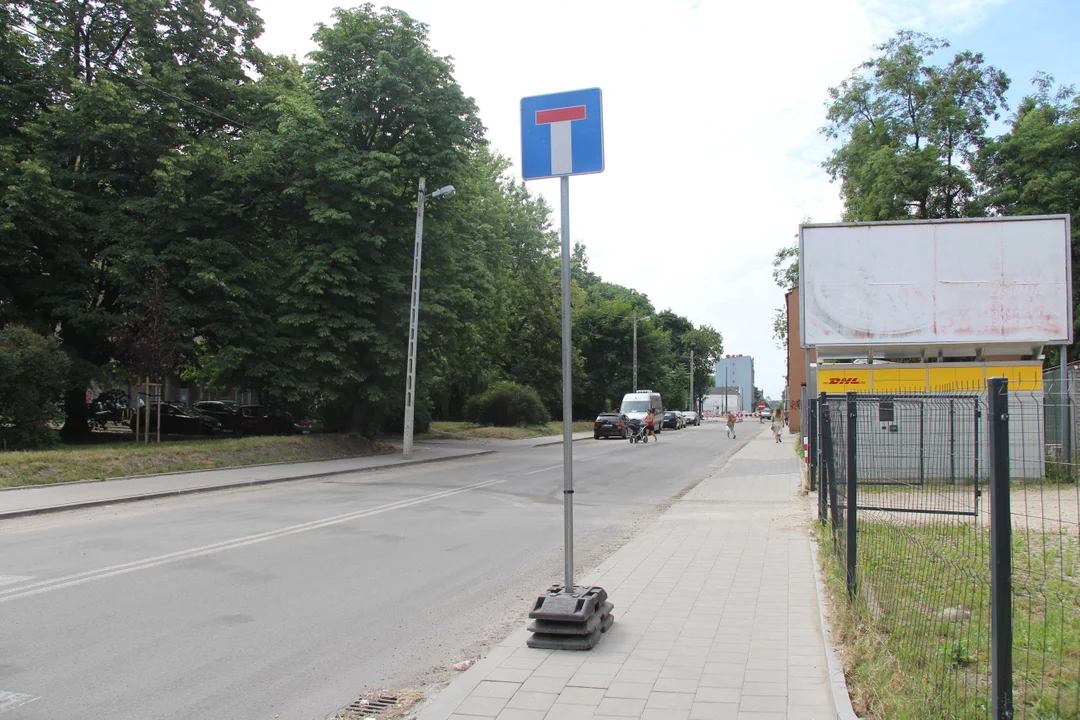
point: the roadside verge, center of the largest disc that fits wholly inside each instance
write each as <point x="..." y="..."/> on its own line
<point x="43" y="499"/>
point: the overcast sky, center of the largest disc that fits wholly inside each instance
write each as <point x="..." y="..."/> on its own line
<point x="711" y="117"/>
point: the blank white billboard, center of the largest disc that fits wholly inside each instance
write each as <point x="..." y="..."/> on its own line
<point x="984" y="282"/>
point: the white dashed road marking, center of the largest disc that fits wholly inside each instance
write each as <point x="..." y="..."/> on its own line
<point x="25" y="591"/>
<point x="12" y="700"/>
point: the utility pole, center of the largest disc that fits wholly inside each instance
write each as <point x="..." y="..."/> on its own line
<point x="725" y="387"/>
<point x="693" y="403"/>
<point x="414" y="312"/>
<point x="647" y="317"/>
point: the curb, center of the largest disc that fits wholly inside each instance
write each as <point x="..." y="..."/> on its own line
<point x="210" y="488"/>
<point x="446" y="700"/>
<point x="837" y="681"/>
<point x="560" y="442"/>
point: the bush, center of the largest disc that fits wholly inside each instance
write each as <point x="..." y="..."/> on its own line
<point x="506" y="404"/>
<point x="33" y="371"/>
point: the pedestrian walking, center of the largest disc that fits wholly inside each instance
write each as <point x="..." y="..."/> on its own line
<point x="649" y="432"/>
<point x="731" y="425"/>
<point x="777" y="424"/>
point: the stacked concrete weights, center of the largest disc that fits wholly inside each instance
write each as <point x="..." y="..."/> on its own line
<point x="570" y="621"/>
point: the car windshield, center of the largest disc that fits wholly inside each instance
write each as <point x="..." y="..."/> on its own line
<point x="629" y="406"/>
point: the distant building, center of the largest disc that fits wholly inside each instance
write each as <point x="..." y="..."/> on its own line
<point x="721" y="399"/>
<point x="737" y="371"/>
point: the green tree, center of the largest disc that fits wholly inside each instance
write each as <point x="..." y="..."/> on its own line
<point x="33" y="373"/>
<point x="909" y="131"/>
<point x="105" y="95"/>
<point x="785" y="274"/>
<point x="1034" y="168"/>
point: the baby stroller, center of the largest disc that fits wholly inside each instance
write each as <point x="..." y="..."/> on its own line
<point x="637" y="431"/>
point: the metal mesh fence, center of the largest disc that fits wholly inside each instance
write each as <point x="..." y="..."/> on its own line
<point x="904" y="481"/>
<point x="1045" y="512"/>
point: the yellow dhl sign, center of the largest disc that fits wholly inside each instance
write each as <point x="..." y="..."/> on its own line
<point x="945" y="377"/>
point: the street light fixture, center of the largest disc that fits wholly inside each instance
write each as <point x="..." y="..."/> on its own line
<point x="414" y="312"/>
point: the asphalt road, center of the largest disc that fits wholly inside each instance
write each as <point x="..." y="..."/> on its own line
<point x="288" y="601"/>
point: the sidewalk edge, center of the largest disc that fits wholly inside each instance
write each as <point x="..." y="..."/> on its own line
<point x="837" y="681"/>
<point x="210" y="488"/>
<point x="446" y="700"/>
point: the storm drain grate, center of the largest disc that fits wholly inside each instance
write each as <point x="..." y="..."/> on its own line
<point x="374" y="707"/>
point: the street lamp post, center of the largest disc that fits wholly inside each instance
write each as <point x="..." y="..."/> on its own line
<point x="647" y="317"/>
<point x="414" y="313"/>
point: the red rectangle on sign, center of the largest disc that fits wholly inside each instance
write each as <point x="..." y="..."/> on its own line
<point x="554" y="115"/>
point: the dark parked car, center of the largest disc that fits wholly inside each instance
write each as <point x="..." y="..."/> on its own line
<point x="262" y="420"/>
<point x="224" y="411"/>
<point x="611" y="425"/>
<point x="671" y="420"/>
<point x="178" y="420"/>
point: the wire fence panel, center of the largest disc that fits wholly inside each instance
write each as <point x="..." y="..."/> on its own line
<point x="1045" y="511"/>
<point x="922" y="566"/>
<point x="921" y="557"/>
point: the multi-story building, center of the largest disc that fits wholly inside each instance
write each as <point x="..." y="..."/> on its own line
<point x="721" y="400"/>
<point x="737" y="371"/>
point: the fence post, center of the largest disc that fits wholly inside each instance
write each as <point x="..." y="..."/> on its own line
<point x="811" y="430"/>
<point x="1066" y="440"/>
<point x="978" y="414"/>
<point x="922" y="441"/>
<point x="829" y="451"/>
<point x="952" y="441"/>
<point x="823" y="467"/>
<point x="1001" y="635"/>
<point x="852" y="497"/>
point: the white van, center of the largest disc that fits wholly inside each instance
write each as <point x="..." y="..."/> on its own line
<point x="636" y="404"/>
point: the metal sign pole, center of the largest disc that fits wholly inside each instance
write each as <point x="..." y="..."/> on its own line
<point x="562" y="135"/>
<point x="567" y="390"/>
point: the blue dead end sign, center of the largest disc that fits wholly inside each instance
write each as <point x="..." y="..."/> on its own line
<point x="562" y="134"/>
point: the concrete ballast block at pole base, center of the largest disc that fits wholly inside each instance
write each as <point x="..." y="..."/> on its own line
<point x="573" y="620"/>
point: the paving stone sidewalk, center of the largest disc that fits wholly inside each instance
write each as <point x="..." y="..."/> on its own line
<point x="716" y="611"/>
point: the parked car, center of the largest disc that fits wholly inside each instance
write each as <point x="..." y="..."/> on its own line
<point x="263" y="420"/>
<point x="692" y="418"/>
<point x="611" y="425"/>
<point x="224" y="411"/>
<point x="178" y="420"/>
<point x="671" y="420"/>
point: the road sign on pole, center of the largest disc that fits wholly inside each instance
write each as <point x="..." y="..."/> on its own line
<point x="562" y="135"/>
